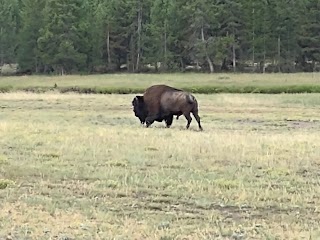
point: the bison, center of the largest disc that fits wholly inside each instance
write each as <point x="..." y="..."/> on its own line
<point x="140" y="111"/>
<point x="162" y="102"/>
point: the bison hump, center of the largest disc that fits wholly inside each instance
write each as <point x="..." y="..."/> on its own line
<point x="152" y="96"/>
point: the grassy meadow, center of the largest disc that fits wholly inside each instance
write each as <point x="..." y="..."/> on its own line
<point x="75" y="166"/>
<point x="195" y="82"/>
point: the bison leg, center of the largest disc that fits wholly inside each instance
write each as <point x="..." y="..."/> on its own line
<point x="150" y="120"/>
<point x="148" y="123"/>
<point x="169" y="120"/>
<point x="141" y="120"/>
<point x="188" y="117"/>
<point x="178" y="114"/>
<point x="196" y="116"/>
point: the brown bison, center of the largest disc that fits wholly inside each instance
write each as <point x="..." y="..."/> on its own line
<point x="161" y="102"/>
<point x="140" y="111"/>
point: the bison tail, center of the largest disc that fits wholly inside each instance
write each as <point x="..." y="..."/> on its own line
<point x="190" y="99"/>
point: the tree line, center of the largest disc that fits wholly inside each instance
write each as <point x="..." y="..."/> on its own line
<point x="58" y="36"/>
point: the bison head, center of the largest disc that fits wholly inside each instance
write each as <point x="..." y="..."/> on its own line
<point x="139" y="108"/>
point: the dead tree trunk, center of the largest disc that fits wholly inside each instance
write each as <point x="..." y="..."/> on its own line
<point x="207" y="56"/>
<point x="264" y="53"/>
<point x="253" y="38"/>
<point x="165" y="44"/>
<point x="108" y="45"/>
<point x="279" y="53"/>
<point x="131" y="54"/>
<point x="1" y="49"/>
<point x="234" y="57"/>
<point x="139" y="36"/>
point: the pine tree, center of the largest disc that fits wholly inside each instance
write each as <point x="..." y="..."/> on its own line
<point x="309" y="39"/>
<point x="9" y="24"/>
<point x="199" y="38"/>
<point x="232" y="26"/>
<point x="97" y="16"/>
<point x="286" y="29"/>
<point x="31" y="12"/>
<point x="209" y="46"/>
<point x="63" y="42"/>
<point x="120" y="30"/>
<point x="158" y="39"/>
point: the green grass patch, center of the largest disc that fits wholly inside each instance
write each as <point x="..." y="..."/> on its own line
<point x="137" y="83"/>
<point x="192" y="89"/>
<point x="4" y="183"/>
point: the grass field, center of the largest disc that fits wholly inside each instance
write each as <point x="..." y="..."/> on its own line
<point x="269" y="83"/>
<point x="81" y="167"/>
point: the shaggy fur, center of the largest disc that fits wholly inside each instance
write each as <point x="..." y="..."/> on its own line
<point x="162" y="102"/>
<point x="139" y="109"/>
<point x="152" y="96"/>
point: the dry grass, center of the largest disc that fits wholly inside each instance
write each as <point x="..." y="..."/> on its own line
<point x="81" y="167"/>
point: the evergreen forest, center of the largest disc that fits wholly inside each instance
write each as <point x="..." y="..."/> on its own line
<point x="102" y="36"/>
